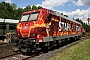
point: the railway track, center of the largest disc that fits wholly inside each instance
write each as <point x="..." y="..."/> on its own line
<point x="19" y="56"/>
<point x="16" y="56"/>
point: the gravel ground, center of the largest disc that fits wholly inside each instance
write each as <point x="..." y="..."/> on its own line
<point x="46" y="56"/>
<point x="6" y="49"/>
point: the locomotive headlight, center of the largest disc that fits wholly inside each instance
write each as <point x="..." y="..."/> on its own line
<point x="40" y="41"/>
<point x="19" y="34"/>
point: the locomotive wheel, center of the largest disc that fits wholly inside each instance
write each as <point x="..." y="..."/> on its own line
<point x="54" y="43"/>
<point x="23" y="49"/>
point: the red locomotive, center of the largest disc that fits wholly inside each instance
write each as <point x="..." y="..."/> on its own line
<point x="42" y="28"/>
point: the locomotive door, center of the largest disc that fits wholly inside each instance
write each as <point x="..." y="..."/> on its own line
<point x="55" y="25"/>
<point x="50" y="25"/>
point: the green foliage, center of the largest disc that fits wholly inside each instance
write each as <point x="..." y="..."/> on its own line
<point x="34" y="7"/>
<point x="39" y="7"/>
<point x="27" y="8"/>
<point x="11" y="11"/>
<point x="80" y="51"/>
<point x="85" y="26"/>
<point x="14" y="6"/>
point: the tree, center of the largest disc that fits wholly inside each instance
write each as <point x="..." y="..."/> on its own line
<point x="14" y="6"/>
<point x="34" y="7"/>
<point x="27" y="8"/>
<point x="85" y="26"/>
<point x="5" y="10"/>
<point x="10" y="11"/>
<point x="39" y="7"/>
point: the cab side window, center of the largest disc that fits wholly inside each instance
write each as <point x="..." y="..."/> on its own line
<point x="49" y="17"/>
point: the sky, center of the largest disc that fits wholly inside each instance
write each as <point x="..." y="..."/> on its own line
<point x="72" y="8"/>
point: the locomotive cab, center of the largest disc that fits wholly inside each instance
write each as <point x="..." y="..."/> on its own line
<point x="31" y="29"/>
<point x="26" y="25"/>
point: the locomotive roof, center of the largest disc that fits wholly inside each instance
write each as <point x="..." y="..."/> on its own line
<point x="9" y="20"/>
<point x="58" y="14"/>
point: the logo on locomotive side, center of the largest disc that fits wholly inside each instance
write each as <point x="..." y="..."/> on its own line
<point x="64" y="26"/>
<point x="25" y="27"/>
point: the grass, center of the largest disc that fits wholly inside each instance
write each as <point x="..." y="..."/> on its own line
<point x="79" y="51"/>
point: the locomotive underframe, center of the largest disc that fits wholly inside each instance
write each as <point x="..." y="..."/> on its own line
<point x="31" y="45"/>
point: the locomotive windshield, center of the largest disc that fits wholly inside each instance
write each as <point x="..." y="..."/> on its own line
<point x="24" y="18"/>
<point x="30" y="17"/>
<point x="33" y="16"/>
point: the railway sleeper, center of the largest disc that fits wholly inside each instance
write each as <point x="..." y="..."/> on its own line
<point x="29" y="48"/>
